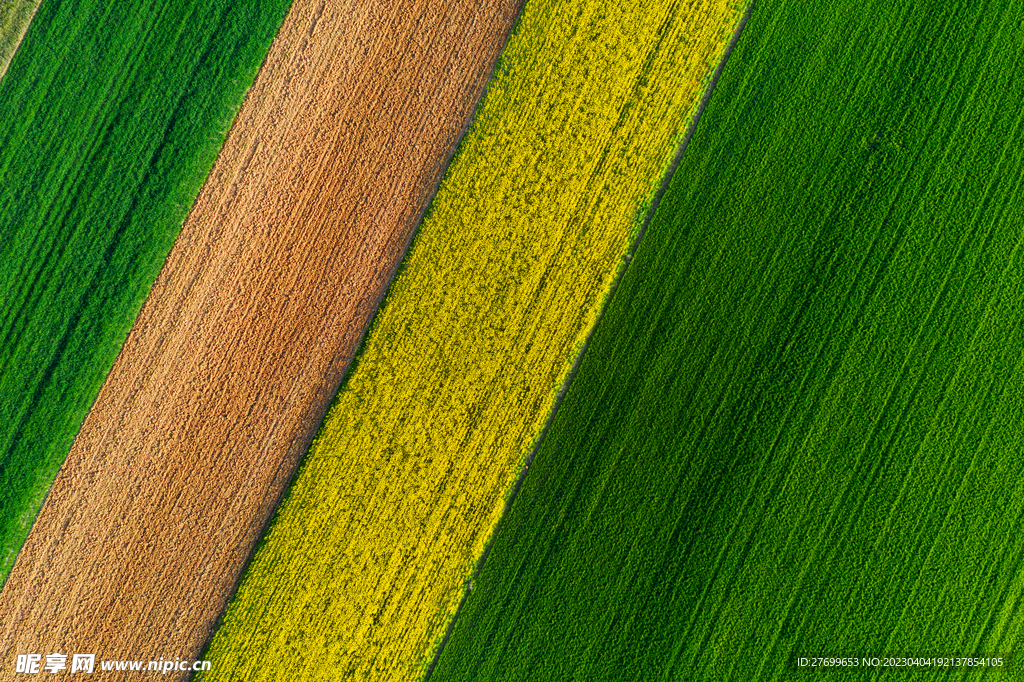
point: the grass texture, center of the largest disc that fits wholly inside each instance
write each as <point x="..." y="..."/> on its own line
<point x="366" y="559"/>
<point x="798" y="429"/>
<point x="111" y="115"/>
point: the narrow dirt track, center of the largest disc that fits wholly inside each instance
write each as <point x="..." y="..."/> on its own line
<point x="248" y="330"/>
<point x="15" y="16"/>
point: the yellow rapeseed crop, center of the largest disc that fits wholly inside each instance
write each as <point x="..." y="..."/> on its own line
<point x="367" y="558"/>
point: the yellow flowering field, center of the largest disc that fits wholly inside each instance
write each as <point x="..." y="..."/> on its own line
<point x="368" y="556"/>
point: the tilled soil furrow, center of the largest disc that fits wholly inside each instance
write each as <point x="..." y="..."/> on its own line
<point x="249" y="328"/>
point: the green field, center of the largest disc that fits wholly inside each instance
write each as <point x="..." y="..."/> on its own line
<point x="111" y="114"/>
<point x="799" y="427"/>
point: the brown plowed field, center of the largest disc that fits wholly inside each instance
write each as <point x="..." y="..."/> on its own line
<point x="247" y="332"/>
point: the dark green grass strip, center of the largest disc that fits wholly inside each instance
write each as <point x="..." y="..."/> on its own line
<point x="111" y="114"/>
<point x="799" y="427"/>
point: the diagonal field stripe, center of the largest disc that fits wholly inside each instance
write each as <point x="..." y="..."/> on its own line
<point x="15" y="16"/>
<point x="367" y="559"/>
<point x="250" y="326"/>
<point x="111" y="116"/>
<point x="796" y="431"/>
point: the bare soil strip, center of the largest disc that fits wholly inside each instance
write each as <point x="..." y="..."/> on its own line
<point x="248" y="330"/>
<point x="15" y="16"/>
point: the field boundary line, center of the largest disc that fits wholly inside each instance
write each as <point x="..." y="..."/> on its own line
<point x="354" y="360"/>
<point x="662" y="188"/>
<point x="5" y="61"/>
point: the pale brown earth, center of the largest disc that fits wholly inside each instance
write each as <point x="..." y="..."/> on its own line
<point x="249" y="328"/>
<point x="15" y="16"/>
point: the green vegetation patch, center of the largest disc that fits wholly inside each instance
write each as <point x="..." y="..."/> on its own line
<point x="799" y="427"/>
<point x="111" y="115"/>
